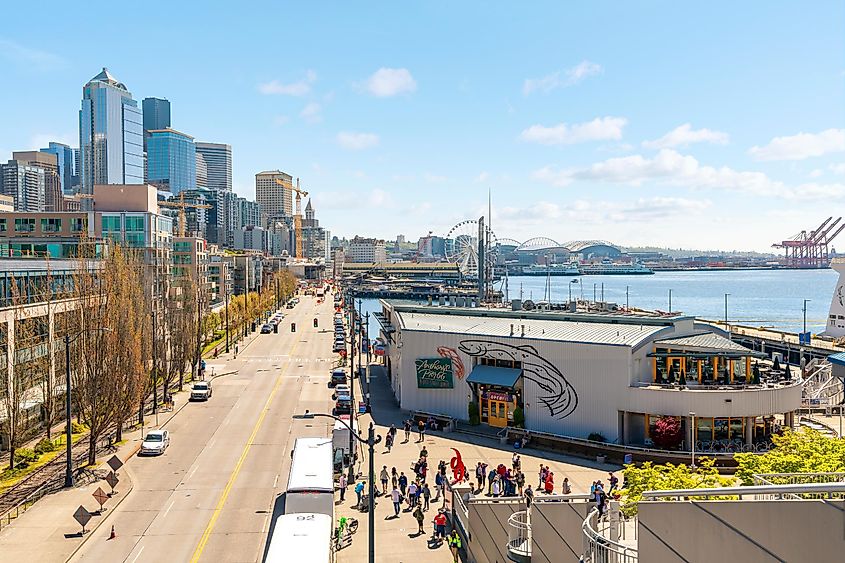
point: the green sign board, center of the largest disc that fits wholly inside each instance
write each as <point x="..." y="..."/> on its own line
<point x="434" y="373"/>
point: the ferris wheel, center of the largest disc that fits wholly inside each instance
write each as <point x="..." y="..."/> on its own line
<point x="462" y="247"/>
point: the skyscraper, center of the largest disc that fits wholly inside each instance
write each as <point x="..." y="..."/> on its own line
<point x="156" y="114"/>
<point x="202" y="171"/>
<point x="66" y="165"/>
<point x="110" y="135"/>
<point x="249" y="213"/>
<point x="274" y="199"/>
<point x="52" y="190"/>
<point x="218" y="162"/>
<point x="171" y="160"/>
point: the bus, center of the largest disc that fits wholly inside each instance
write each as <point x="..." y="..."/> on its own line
<point x="311" y="482"/>
<point x="301" y="537"/>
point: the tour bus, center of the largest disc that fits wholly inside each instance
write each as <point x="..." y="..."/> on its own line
<point x="301" y="537"/>
<point x="311" y="481"/>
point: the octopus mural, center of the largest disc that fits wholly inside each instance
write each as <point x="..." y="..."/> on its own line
<point x="559" y="396"/>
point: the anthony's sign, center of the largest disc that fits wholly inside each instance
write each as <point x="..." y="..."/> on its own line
<point x="434" y="373"/>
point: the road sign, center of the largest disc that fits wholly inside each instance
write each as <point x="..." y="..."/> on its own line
<point x="112" y="480"/>
<point x="101" y="497"/>
<point x="82" y="516"/>
<point x="805" y="338"/>
<point x="115" y="463"/>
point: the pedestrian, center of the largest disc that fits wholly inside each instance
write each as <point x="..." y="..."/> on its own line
<point x="388" y="442"/>
<point x="412" y="494"/>
<point x="359" y="490"/>
<point x="454" y="544"/>
<point x="438" y="485"/>
<point x="426" y="494"/>
<point x="407" y="431"/>
<point x="423" y="454"/>
<point x="593" y="491"/>
<point x="566" y="488"/>
<point x="614" y="483"/>
<point x="403" y="482"/>
<point x="215" y="352"/>
<point x="479" y="474"/>
<point x="520" y="481"/>
<point x="515" y="461"/>
<point x="550" y="483"/>
<point x="541" y="476"/>
<point x="396" y="497"/>
<point x="392" y="431"/>
<point x="529" y="496"/>
<point x="418" y="514"/>
<point x="421" y="430"/>
<point x="497" y="484"/>
<point x="385" y="477"/>
<point x="440" y="525"/>
<point x="394" y="478"/>
<point x="342" y="483"/>
<point x="490" y="477"/>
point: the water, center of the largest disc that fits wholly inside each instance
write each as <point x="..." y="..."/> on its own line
<point x="772" y="298"/>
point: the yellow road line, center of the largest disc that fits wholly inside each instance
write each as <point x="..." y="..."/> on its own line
<point x="217" y="509"/>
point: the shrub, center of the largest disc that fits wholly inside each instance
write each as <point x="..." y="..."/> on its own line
<point x="596" y="437"/>
<point x="660" y="477"/>
<point x="667" y="432"/>
<point x="519" y="417"/>
<point x="802" y="451"/>
<point x="44" y="445"/>
<point x="25" y="456"/>
<point x="474" y="416"/>
<point x="77" y="428"/>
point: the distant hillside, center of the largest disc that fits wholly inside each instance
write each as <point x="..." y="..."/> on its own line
<point x="685" y="253"/>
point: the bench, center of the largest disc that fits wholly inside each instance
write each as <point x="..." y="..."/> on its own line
<point x="444" y="422"/>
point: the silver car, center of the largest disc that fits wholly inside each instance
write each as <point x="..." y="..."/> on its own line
<point x="155" y="442"/>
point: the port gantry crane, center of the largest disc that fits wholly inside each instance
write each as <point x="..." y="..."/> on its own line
<point x="181" y="206"/>
<point x="297" y="218"/>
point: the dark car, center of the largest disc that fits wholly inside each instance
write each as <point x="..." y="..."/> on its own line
<point x="338" y="377"/>
<point x="343" y="405"/>
<point x="266" y="329"/>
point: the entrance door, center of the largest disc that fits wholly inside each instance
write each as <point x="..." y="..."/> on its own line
<point x="498" y="416"/>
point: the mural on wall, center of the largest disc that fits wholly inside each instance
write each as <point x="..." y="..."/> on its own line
<point x="560" y="397"/>
<point x="457" y="363"/>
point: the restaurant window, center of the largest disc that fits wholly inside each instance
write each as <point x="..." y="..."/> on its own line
<point x="499" y="363"/>
<point x="704" y="432"/>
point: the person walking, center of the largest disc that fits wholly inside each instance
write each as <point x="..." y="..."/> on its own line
<point x="385" y="477"/>
<point x="479" y="475"/>
<point x="440" y="525"/>
<point x="418" y="514"/>
<point x="550" y="483"/>
<point x="565" y="488"/>
<point x="403" y="482"/>
<point x="407" y="431"/>
<point x="529" y="496"/>
<point x="541" y="476"/>
<point x="388" y="442"/>
<point x="497" y="486"/>
<point x="515" y="461"/>
<point x="412" y="494"/>
<point x="394" y="478"/>
<point x="396" y="497"/>
<point x="359" y="490"/>
<point x="438" y="484"/>
<point x="614" y="483"/>
<point x="342" y="484"/>
<point x="426" y="495"/>
<point x="520" y="481"/>
<point x="490" y="477"/>
<point x="421" y="430"/>
<point x="454" y="544"/>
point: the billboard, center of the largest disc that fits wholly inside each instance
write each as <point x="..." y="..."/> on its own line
<point x="434" y="373"/>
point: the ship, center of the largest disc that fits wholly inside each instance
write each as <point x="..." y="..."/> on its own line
<point x="609" y="268"/>
<point x="552" y="270"/>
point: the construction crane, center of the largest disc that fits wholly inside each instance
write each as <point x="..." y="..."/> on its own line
<point x="811" y="250"/>
<point x="297" y="218"/>
<point x="181" y="206"/>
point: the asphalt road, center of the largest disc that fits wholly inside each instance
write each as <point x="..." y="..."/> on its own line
<point x="211" y="496"/>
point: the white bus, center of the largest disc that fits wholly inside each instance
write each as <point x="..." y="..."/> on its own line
<point x="311" y="481"/>
<point x="301" y="537"/>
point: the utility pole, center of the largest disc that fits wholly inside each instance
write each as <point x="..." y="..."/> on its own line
<point x="670" y="301"/>
<point x="627" y="307"/>
<point x="226" y="311"/>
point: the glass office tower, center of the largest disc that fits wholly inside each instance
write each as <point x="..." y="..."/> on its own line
<point x="110" y="135"/>
<point x="171" y="160"/>
<point x="65" y="157"/>
<point x="156" y="114"/>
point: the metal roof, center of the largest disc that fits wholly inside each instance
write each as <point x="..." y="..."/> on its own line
<point x="706" y="341"/>
<point x="838" y="358"/>
<point x="491" y="375"/>
<point x="616" y="334"/>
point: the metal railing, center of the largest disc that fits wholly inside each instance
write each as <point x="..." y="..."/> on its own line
<point x="599" y="548"/>
<point x="754" y="492"/>
<point x="519" y="536"/>
<point x="770" y="479"/>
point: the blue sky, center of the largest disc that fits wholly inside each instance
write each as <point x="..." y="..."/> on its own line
<point x="718" y="125"/>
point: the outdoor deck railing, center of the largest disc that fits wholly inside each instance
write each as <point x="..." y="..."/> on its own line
<point x="599" y="548"/>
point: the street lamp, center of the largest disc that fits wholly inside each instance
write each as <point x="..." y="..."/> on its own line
<point x="727" y="326"/>
<point x="371" y="442"/>
<point x="803" y="338"/>
<point x="692" y="438"/>
<point x="68" y="456"/>
<point x="670" y="301"/>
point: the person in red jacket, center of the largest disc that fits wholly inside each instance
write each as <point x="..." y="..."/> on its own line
<point x="550" y="483"/>
<point x="440" y="525"/>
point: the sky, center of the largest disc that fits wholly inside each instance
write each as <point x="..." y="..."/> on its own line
<point x="713" y="125"/>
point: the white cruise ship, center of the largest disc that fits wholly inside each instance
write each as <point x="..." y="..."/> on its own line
<point x="551" y="270"/>
<point x="608" y="268"/>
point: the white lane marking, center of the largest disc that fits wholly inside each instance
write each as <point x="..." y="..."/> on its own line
<point x="168" y="509"/>
<point x="194" y="470"/>
<point x="276" y="481"/>
<point x="138" y="555"/>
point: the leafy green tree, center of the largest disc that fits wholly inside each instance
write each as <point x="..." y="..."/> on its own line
<point x="804" y="451"/>
<point x="660" y="477"/>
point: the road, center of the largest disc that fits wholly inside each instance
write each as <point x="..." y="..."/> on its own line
<point x="211" y="496"/>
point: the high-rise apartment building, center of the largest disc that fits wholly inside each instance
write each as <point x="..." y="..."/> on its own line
<point x="156" y="114"/>
<point x="53" y="199"/>
<point x="171" y="160"/>
<point x="249" y="213"/>
<point x="250" y="238"/>
<point x="274" y="199"/>
<point x="366" y="250"/>
<point x="110" y="135"/>
<point x="202" y="171"/>
<point x="25" y="184"/>
<point x="218" y="162"/>
<point x="65" y="159"/>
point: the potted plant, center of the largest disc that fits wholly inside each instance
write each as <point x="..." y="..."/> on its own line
<point x="474" y="416"/>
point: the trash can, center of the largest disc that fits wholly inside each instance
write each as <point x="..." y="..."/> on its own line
<point x="253" y="326"/>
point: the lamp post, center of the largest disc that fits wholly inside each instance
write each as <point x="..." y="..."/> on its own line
<point x="692" y="438"/>
<point x="626" y="298"/>
<point x="670" y="301"/>
<point x="68" y="426"/>
<point x="351" y="385"/>
<point x="371" y="442"/>
<point x="803" y="338"/>
<point x="727" y="326"/>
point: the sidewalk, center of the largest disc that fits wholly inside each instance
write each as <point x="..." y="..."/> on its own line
<point x="396" y="538"/>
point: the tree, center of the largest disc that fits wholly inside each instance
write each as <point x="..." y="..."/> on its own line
<point x="804" y="451"/>
<point x="660" y="477"/>
<point x="667" y="433"/>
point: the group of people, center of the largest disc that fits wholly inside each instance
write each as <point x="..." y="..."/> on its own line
<point x="501" y="480"/>
<point x="598" y="494"/>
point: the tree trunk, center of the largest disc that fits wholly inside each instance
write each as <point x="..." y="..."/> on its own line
<point x="12" y="449"/>
<point x="118" y="434"/>
<point x="92" y="448"/>
<point x="141" y="412"/>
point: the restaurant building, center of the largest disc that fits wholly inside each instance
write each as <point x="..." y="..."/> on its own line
<point x="582" y="374"/>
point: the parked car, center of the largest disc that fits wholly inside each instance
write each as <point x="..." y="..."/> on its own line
<point x="201" y="391"/>
<point x="266" y="329"/>
<point x="338" y="377"/>
<point x="342" y="389"/>
<point x="343" y="405"/>
<point x="155" y="442"/>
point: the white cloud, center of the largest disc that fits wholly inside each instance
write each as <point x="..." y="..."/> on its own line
<point x="379" y="198"/>
<point x="41" y="60"/>
<point x="837" y="168"/>
<point x="816" y="173"/>
<point x="649" y="209"/>
<point x="357" y="141"/>
<point x="672" y="168"/>
<point x="801" y="146"/>
<point x="299" y="88"/>
<point x="312" y="112"/>
<point x="482" y="177"/>
<point x="599" y="129"/>
<point x="559" y="79"/>
<point x="386" y="82"/>
<point x="685" y="135"/>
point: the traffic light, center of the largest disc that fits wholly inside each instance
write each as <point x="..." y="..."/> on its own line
<point x="315" y="323"/>
<point x="293" y="327"/>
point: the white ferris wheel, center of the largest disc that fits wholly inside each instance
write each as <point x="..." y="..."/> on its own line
<point x="462" y="247"/>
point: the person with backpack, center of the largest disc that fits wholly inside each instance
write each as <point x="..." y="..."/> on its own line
<point x="385" y="477"/>
<point x="426" y="495"/>
<point x="359" y="490"/>
<point x="418" y="514"/>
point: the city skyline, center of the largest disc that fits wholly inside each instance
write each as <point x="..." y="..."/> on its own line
<point x="670" y="126"/>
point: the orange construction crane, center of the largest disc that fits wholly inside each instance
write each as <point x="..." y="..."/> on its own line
<point x="181" y="206"/>
<point x="297" y="218"/>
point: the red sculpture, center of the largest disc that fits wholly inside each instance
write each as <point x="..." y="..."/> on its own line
<point x="459" y="470"/>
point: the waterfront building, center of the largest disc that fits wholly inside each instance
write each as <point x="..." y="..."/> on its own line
<point x="110" y="135"/>
<point x="65" y="161"/>
<point x="273" y="198"/>
<point x="250" y="237"/>
<point x="218" y="162"/>
<point x="366" y="250"/>
<point x="582" y="374"/>
<point x="202" y="171"/>
<point x="171" y="160"/>
<point x="156" y="114"/>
